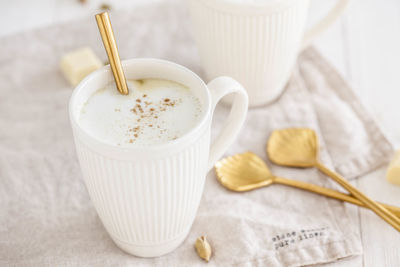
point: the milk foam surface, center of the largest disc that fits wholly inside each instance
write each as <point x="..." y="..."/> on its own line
<point x="155" y="111"/>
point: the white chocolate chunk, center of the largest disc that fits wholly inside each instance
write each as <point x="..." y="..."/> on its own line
<point x="77" y="64"/>
<point x="393" y="172"/>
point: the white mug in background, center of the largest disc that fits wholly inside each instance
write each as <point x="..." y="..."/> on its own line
<point x="255" y="42"/>
<point x="147" y="197"/>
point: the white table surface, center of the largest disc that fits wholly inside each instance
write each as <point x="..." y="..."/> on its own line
<point x="364" y="45"/>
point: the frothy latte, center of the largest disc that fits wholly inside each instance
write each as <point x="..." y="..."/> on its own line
<point x="155" y="112"/>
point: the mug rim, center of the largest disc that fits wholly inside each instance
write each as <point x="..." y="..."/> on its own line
<point x="252" y="8"/>
<point x="106" y="70"/>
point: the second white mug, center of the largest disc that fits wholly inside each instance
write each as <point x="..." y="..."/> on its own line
<point x="255" y="42"/>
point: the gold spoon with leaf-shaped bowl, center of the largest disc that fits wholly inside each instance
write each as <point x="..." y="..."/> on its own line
<point x="247" y="171"/>
<point x="298" y="147"/>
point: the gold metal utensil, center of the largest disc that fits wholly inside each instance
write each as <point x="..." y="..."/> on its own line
<point x="298" y="147"/>
<point x="107" y="35"/>
<point x="247" y="171"/>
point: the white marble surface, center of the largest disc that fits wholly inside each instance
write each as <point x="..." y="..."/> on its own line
<point x="363" y="45"/>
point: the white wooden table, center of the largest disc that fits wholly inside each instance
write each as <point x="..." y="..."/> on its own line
<point x="364" y="45"/>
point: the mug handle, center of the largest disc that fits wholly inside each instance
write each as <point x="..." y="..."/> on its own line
<point x="324" y="23"/>
<point x="219" y="87"/>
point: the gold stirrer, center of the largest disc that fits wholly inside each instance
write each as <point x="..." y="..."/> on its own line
<point x="107" y="35"/>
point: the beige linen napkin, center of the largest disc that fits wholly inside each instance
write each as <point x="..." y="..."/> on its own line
<point x="47" y="219"/>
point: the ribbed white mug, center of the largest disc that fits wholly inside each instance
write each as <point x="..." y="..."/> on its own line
<point x="254" y="41"/>
<point x="147" y="197"/>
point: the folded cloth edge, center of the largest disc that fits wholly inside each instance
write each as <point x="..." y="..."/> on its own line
<point x="351" y="168"/>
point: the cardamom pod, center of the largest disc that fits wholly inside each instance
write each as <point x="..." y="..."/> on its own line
<point x="203" y="248"/>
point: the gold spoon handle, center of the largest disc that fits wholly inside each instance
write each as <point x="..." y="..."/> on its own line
<point x="329" y="193"/>
<point x="374" y="206"/>
<point x="107" y="35"/>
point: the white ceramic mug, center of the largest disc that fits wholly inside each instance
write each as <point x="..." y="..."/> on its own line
<point x="147" y="197"/>
<point x="255" y="42"/>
